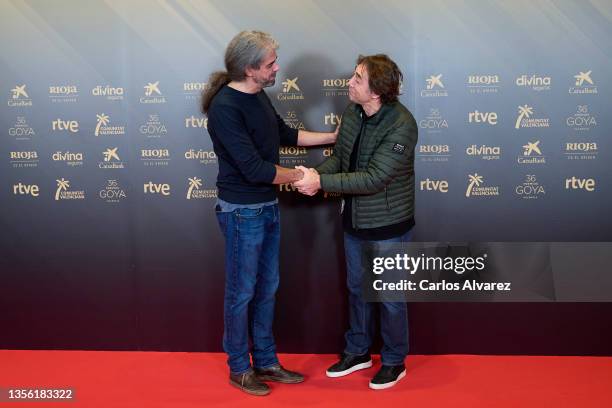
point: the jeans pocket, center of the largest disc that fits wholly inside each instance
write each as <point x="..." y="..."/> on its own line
<point x="249" y="212"/>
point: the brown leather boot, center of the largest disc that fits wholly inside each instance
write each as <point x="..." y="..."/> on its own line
<point x="249" y="383"/>
<point x="279" y="374"/>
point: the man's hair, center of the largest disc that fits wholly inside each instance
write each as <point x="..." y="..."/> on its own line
<point x="246" y="50"/>
<point x="384" y="77"/>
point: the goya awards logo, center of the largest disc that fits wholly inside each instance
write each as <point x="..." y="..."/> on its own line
<point x="434" y="87"/>
<point x="19" y="97"/>
<point x="70" y="159"/>
<point x="581" y="150"/>
<point x="534" y="81"/>
<point x="153" y="128"/>
<point x="152" y="94"/>
<point x="525" y="119"/>
<point x="63" y="93"/>
<point x="482" y="84"/>
<point x="195" y="190"/>
<point x="21" y="130"/>
<point x="109" y="92"/>
<point x="112" y="192"/>
<point x="193" y="90"/>
<point x="530" y="188"/>
<point x="477" y="188"/>
<point x="582" y="120"/>
<point x="290" y="91"/>
<point x="532" y="154"/>
<point x="103" y="127"/>
<point x="433" y="122"/>
<point x="583" y="84"/>
<point x="484" y="152"/>
<point x="63" y="192"/>
<point x="292" y="120"/>
<point x="433" y="153"/>
<point x="203" y="156"/>
<point x="335" y="87"/>
<point x="23" y="159"/>
<point x="155" y="157"/>
<point x="111" y="159"/>
<point x="196" y="122"/>
<point x="21" y="189"/>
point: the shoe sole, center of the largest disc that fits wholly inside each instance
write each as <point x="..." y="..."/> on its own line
<point x="256" y="393"/>
<point x="276" y="379"/>
<point x="356" y="367"/>
<point x="389" y="384"/>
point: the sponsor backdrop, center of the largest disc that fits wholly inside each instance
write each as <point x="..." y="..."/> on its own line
<point x="109" y="239"/>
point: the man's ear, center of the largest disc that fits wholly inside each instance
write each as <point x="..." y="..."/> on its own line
<point x="248" y="71"/>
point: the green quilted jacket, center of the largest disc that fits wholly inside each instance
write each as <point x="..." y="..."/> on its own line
<point x="383" y="180"/>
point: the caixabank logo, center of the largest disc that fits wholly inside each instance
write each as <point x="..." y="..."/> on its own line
<point x="21" y="130"/>
<point x="23" y="159"/>
<point x="19" y="97"/>
<point x="583" y="84"/>
<point x="152" y="94"/>
<point x="530" y="188"/>
<point x="532" y="154"/>
<point x="433" y="153"/>
<point x="111" y="159"/>
<point x="153" y="128"/>
<point x="64" y="192"/>
<point x="64" y="93"/>
<point x="108" y="92"/>
<point x="434" y="87"/>
<point x="290" y="90"/>
<point x="477" y="188"/>
<point x="195" y="190"/>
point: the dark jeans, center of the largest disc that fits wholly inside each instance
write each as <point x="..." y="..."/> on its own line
<point x="393" y="315"/>
<point x="252" y="239"/>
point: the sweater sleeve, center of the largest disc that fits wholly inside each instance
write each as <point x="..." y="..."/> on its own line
<point x="229" y="127"/>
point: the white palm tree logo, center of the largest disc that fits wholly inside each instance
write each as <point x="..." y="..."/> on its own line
<point x="474" y="180"/>
<point x="194" y="182"/>
<point x="152" y="87"/>
<point x="61" y="185"/>
<point x="433" y="81"/>
<point x="103" y="120"/>
<point x="583" y="76"/>
<point x="524" y="111"/>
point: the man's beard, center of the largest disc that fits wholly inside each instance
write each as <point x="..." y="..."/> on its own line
<point x="267" y="83"/>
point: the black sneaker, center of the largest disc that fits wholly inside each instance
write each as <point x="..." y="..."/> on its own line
<point x="279" y="374"/>
<point x="349" y="364"/>
<point x="387" y="377"/>
<point x="249" y="383"/>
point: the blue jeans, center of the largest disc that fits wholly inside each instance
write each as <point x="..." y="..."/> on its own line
<point x="252" y="239"/>
<point x="393" y="315"/>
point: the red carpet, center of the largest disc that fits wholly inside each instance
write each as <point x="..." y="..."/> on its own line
<point x="151" y="379"/>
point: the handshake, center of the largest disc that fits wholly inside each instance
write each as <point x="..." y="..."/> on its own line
<point x="310" y="182"/>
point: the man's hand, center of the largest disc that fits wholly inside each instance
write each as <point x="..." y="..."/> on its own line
<point x="310" y="183"/>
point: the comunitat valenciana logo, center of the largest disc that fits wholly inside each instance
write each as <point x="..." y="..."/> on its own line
<point x="152" y="94"/>
<point x="63" y="193"/>
<point x="195" y="190"/>
<point x="290" y="91"/>
<point x="525" y="119"/>
<point x="19" y="97"/>
<point x="103" y="127"/>
<point x="477" y="188"/>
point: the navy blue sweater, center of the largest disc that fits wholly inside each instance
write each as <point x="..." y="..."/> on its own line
<point x="246" y="133"/>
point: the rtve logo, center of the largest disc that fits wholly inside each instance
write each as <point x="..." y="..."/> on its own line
<point x="332" y="119"/>
<point x="434" y="185"/>
<point x="26" y="189"/>
<point x="154" y="188"/>
<point x="482" y="117"/>
<point x="69" y="125"/>
<point x="575" y="183"/>
<point x="194" y="122"/>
